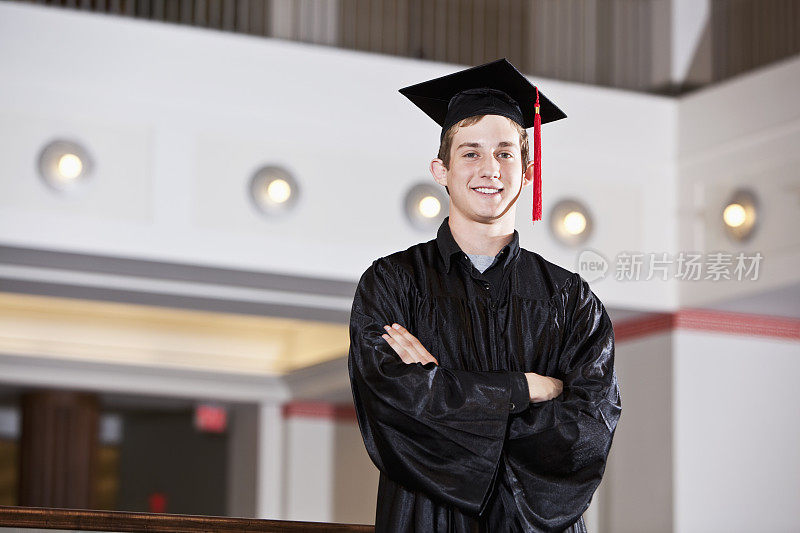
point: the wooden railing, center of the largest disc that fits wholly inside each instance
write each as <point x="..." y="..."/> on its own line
<point x="83" y="520"/>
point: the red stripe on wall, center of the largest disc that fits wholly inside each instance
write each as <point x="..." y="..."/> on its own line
<point x="709" y="320"/>
<point x="329" y="411"/>
<point x="740" y="323"/>
<point x="643" y="326"/>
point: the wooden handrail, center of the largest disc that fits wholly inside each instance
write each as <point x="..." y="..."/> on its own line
<point x="85" y="520"/>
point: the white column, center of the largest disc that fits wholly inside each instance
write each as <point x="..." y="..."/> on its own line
<point x="310" y="461"/>
<point x="328" y="474"/>
<point x="269" y="470"/>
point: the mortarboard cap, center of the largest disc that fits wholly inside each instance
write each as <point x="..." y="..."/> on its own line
<point x="495" y="88"/>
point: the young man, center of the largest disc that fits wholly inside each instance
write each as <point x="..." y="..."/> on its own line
<point x="482" y="374"/>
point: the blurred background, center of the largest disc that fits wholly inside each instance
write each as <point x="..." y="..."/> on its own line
<point x="191" y="189"/>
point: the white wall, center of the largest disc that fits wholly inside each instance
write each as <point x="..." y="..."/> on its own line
<point x="329" y="476"/>
<point x="709" y="435"/>
<point x="309" y="464"/>
<point x="178" y="118"/>
<point x="742" y="133"/>
<point x="636" y="492"/>
<point x="736" y="433"/>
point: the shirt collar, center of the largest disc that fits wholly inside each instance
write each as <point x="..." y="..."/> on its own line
<point x="448" y="245"/>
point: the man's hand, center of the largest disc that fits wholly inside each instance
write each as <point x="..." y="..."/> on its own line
<point x="543" y="388"/>
<point x="407" y="346"/>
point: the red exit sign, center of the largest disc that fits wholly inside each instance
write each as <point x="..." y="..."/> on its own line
<point x="210" y="418"/>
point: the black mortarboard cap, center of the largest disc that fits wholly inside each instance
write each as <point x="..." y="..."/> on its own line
<point x="495" y="88"/>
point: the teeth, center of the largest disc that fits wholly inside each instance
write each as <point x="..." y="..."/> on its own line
<point x="487" y="190"/>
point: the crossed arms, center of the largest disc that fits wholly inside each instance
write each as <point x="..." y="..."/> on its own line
<point x="407" y="346"/>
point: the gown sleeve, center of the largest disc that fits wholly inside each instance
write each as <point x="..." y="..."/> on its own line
<point x="431" y="429"/>
<point x="557" y="449"/>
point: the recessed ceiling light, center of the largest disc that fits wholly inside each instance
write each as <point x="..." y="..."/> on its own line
<point x="273" y="190"/>
<point x="64" y="165"/>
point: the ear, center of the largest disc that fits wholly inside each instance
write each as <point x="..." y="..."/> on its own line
<point x="439" y="171"/>
<point x="527" y="176"/>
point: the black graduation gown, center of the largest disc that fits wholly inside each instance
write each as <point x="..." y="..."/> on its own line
<point x="454" y="452"/>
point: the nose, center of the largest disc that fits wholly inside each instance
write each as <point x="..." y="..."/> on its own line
<point x="491" y="168"/>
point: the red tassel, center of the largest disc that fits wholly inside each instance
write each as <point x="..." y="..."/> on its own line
<point x="537" y="162"/>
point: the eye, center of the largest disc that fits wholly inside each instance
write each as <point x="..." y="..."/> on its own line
<point x="506" y="155"/>
<point x="471" y="155"/>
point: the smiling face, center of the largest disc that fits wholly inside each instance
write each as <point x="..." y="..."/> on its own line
<point x="485" y="171"/>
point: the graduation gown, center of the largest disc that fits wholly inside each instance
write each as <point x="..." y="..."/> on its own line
<point x="458" y="445"/>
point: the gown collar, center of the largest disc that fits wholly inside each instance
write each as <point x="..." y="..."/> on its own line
<point x="448" y="246"/>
